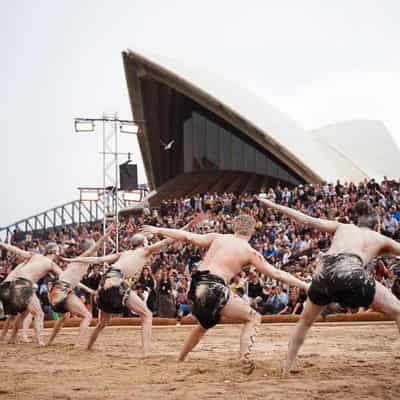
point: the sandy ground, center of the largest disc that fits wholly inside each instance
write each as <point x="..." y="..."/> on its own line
<point x="338" y="361"/>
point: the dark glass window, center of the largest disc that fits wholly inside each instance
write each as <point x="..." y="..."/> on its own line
<point x="209" y="146"/>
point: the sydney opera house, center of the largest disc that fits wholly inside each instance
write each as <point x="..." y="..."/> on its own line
<point x="224" y="138"/>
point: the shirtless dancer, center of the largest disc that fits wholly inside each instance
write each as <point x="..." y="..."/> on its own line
<point x="112" y="295"/>
<point x="340" y="275"/>
<point x="18" y="290"/>
<point x="62" y="297"/>
<point x="9" y="322"/>
<point x="209" y="290"/>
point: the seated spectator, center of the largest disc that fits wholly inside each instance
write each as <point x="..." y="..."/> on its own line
<point x="295" y="304"/>
<point x="276" y="301"/>
<point x="270" y="251"/>
<point x="182" y="303"/>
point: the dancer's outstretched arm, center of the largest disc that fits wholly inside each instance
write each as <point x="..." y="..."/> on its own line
<point x="16" y="250"/>
<point x="93" y="260"/>
<point x="99" y="243"/>
<point x="86" y="289"/>
<point x="203" y="240"/>
<point x="156" y="247"/>
<point x="317" y="223"/>
<point x="391" y="246"/>
<point x="267" y="269"/>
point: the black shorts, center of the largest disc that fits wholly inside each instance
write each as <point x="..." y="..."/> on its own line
<point x="342" y="280"/>
<point x="58" y="296"/>
<point x="112" y="299"/>
<point x="15" y="295"/>
<point x="209" y="295"/>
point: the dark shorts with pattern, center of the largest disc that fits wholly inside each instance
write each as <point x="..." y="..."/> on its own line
<point x="112" y="295"/>
<point x="343" y="280"/>
<point x="58" y="296"/>
<point x="209" y="295"/>
<point x="15" y="295"/>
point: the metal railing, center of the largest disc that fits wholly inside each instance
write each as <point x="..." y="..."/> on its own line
<point x="73" y="213"/>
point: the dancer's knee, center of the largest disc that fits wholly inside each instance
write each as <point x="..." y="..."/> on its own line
<point x="87" y="316"/>
<point x="307" y="322"/>
<point x="103" y="323"/>
<point x="38" y="314"/>
<point x="147" y="315"/>
<point x="65" y="316"/>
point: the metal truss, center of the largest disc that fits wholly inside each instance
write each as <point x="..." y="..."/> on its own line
<point x="73" y="213"/>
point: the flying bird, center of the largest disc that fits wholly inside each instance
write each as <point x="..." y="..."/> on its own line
<point x="167" y="146"/>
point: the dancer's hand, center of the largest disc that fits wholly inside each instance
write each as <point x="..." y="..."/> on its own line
<point x="149" y="230"/>
<point x="197" y="219"/>
<point x="111" y="229"/>
<point x="65" y="259"/>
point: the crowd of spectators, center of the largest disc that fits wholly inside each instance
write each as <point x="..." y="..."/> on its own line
<point x="164" y="283"/>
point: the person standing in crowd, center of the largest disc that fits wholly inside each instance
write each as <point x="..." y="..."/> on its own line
<point x="165" y="297"/>
<point x="148" y="283"/>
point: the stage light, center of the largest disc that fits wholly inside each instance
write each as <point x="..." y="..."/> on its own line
<point x="89" y="195"/>
<point x="129" y="127"/>
<point x="131" y="196"/>
<point x="84" y="126"/>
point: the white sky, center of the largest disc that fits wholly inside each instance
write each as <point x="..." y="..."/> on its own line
<point x="317" y="61"/>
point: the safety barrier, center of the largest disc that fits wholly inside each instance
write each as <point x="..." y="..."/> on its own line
<point x="266" y="319"/>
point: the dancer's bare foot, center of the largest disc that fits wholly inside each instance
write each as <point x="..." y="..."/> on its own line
<point x="284" y="370"/>
<point x="13" y="340"/>
<point x="247" y="365"/>
<point x="26" y="339"/>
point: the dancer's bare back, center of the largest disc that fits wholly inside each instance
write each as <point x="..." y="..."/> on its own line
<point x="347" y="238"/>
<point x="36" y="268"/>
<point x="227" y="255"/>
<point x="132" y="261"/>
<point x="364" y="242"/>
<point x="128" y="262"/>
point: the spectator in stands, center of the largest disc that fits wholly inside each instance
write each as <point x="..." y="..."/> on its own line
<point x="165" y="296"/>
<point x="295" y="303"/>
<point x="183" y="307"/>
<point x="148" y="282"/>
<point x="276" y="302"/>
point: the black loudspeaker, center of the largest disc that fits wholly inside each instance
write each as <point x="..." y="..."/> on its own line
<point x="128" y="176"/>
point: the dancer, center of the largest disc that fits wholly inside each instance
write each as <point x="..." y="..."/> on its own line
<point x="340" y="275"/>
<point x="17" y="291"/>
<point x="113" y="294"/>
<point x="209" y="290"/>
<point x="10" y="319"/>
<point x="62" y="297"/>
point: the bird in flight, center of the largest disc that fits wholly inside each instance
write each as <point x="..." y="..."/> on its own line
<point x="167" y="146"/>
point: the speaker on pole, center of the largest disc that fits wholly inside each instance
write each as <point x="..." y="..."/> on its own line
<point x="128" y="176"/>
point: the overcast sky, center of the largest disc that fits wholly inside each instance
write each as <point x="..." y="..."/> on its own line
<point x="318" y="61"/>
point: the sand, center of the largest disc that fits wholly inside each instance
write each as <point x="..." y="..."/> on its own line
<point x="338" y="361"/>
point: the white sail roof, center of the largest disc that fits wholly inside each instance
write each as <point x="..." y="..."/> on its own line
<point x="348" y="150"/>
